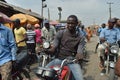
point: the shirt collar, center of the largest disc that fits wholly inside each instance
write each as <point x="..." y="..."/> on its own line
<point x="76" y="34"/>
<point x="109" y="29"/>
<point x="2" y="26"/>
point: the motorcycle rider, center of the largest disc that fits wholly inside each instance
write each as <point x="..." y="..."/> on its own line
<point x="69" y="42"/>
<point x="118" y="27"/>
<point x="110" y="35"/>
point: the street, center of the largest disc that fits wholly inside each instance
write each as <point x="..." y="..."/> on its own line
<point x="93" y="69"/>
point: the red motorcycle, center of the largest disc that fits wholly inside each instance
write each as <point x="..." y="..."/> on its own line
<point x="56" y="72"/>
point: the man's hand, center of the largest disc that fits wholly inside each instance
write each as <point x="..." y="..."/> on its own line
<point x="79" y="56"/>
<point x="14" y="63"/>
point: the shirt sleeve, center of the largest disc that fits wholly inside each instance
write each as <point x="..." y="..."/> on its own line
<point x="102" y="34"/>
<point x="12" y="44"/>
<point x="23" y="31"/>
<point x="42" y="32"/>
<point x="57" y="38"/>
<point x="81" y="45"/>
<point x="54" y="30"/>
<point x="118" y="35"/>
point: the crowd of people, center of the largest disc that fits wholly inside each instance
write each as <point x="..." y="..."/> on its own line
<point x="70" y="42"/>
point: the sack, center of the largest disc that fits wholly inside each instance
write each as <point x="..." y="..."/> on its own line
<point x="117" y="67"/>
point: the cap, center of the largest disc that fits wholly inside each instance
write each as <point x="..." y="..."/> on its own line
<point x="36" y="25"/>
<point x="111" y="20"/>
<point x="46" y="21"/>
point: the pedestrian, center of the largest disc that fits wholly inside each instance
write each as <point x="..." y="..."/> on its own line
<point x="89" y="34"/>
<point x="48" y="31"/>
<point x="20" y="36"/>
<point x="7" y="51"/>
<point x="30" y="41"/>
<point x="38" y="37"/>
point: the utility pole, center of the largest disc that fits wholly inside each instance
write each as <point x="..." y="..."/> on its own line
<point x="43" y="6"/>
<point x="109" y="3"/>
<point x="48" y="14"/>
<point x="59" y="9"/>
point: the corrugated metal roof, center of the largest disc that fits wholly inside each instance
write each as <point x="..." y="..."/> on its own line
<point x="19" y="9"/>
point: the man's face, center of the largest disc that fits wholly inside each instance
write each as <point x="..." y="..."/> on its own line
<point x="118" y="22"/>
<point x="110" y="25"/>
<point x="47" y="25"/>
<point x="71" y="24"/>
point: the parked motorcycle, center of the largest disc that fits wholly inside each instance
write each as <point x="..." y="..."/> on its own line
<point x="111" y="55"/>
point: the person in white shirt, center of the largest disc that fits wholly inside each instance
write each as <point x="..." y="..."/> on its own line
<point x="48" y="31"/>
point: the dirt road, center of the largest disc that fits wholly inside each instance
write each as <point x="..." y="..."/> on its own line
<point x="93" y="70"/>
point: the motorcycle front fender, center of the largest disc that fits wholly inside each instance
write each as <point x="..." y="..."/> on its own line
<point x="112" y="64"/>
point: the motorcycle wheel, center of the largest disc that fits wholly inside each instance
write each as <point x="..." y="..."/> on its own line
<point x="112" y="75"/>
<point x="22" y="75"/>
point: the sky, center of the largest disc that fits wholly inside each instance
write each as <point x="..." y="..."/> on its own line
<point x="88" y="11"/>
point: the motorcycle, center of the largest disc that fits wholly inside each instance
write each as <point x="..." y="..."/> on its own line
<point x="111" y="55"/>
<point x="18" y="68"/>
<point x="19" y="71"/>
<point x="56" y="72"/>
<point x="43" y="57"/>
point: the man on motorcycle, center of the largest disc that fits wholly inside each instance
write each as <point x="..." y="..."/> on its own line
<point x="109" y="35"/>
<point x="69" y="42"/>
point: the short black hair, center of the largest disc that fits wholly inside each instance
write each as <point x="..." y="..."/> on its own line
<point x="73" y="16"/>
<point x="17" y="21"/>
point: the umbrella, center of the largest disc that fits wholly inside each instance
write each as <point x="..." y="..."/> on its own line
<point x="5" y="17"/>
<point x="54" y="22"/>
<point x="25" y="18"/>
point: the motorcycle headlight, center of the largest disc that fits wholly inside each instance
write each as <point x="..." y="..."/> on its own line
<point x="57" y="68"/>
<point x="46" y="45"/>
<point x="114" y="49"/>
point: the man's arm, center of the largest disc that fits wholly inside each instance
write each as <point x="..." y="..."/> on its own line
<point x="12" y="44"/>
<point x="56" y="41"/>
<point x="102" y="36"/>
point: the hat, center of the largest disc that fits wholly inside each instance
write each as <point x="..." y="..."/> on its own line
<point x="111" y="20"/>
<point x="36" y="25"/>
<point x="46" y="21"/>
